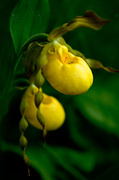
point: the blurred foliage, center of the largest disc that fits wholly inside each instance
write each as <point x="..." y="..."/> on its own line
<point x="24" y="23"/>
<point x="86" y="147"/>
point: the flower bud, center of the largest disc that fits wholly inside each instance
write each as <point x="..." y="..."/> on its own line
<point x="67" y="73"/>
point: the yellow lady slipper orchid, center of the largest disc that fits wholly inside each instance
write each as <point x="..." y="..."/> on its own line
<point x="50" y="108"/>
<point x="67" y="73"/>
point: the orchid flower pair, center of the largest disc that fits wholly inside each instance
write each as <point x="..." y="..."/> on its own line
<point x="66" y="69"/>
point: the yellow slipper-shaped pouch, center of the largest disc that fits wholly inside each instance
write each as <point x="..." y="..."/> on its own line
<point x="50" y="108"/>
<point x="67" y="73"/>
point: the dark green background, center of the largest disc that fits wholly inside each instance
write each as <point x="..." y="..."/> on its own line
<point x="86" y="147"/>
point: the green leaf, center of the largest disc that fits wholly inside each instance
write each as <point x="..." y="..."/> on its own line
<point x="97" y="65"/>
<point x="100" y="104"/>
<point x="83" y="160"/>
<point x="75" y="128"/>
<point x="47" y="160"/>
<point x="90" y="20"/>
<point x="110" y="173"/>
<point x="27" y="19"/>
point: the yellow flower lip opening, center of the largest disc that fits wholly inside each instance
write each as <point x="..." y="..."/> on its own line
<point x="62" y="54"/>
<point x="67" y="73"/>
<point x="51" y="109"/>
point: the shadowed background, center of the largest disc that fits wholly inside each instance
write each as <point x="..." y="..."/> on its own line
<point x="86" y="147"/>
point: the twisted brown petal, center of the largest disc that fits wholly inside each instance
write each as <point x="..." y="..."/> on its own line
<point x="90" y="20"/>
<point x="97" y="65"/>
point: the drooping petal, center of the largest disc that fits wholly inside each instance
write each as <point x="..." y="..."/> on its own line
<point x="97" y="65"/>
